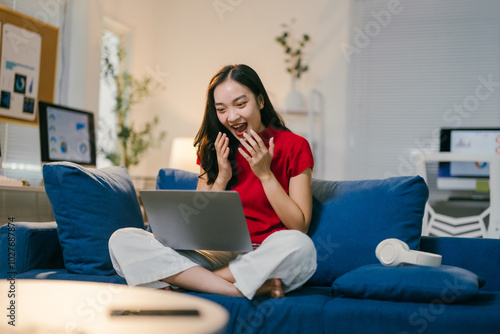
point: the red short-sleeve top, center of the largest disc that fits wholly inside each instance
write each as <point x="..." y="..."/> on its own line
<point x="292" y="155"/>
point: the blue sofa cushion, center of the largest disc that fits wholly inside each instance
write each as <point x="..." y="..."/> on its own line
<point x="354" y="315"/>
<point x="301" y="311"/>
<point x="89" y="205"/>
<point x="176" y="179"/>
<point x="350" y="218"/>
<point x="409" y="283"/>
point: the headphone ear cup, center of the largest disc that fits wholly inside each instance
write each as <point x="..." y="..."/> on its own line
<point x="390" y="251"/>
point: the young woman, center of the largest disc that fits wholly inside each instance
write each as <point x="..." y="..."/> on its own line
<point x="243" y="145"/>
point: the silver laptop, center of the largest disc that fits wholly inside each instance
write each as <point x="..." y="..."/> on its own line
<point x="197" y="220"/>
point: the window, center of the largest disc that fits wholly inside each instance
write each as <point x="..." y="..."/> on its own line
<point x="106" y="135"/>
<point x="414" y="67"/>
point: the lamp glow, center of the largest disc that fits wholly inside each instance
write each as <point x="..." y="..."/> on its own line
<point x="183" y="155"/>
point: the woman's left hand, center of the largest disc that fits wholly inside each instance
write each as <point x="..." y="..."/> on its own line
<point x="259" y="156"/>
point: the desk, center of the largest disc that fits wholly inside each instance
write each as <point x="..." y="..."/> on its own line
<point x="28" y="204"/>
<point x="50" y="306"/>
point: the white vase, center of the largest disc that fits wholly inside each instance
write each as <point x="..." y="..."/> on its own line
<point x="294" y="101"/>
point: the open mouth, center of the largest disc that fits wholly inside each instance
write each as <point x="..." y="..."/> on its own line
<point x="240" y="128"/>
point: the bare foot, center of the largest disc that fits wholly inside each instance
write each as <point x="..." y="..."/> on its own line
<point x="272" y="288"/>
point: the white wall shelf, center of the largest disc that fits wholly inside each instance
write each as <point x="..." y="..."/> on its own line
<point x="309" y="123"/>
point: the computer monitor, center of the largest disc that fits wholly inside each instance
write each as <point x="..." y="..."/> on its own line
<point x="462" y="175"/>
<point x="66" y="134"/>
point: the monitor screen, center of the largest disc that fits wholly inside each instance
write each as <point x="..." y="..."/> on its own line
<point x="66" y="134"/>
<point x="463" y="175"/>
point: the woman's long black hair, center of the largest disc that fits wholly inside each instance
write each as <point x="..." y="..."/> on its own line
<point x="211" y="126"/>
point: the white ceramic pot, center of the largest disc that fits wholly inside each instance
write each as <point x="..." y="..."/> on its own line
<point x="294" y="101"/>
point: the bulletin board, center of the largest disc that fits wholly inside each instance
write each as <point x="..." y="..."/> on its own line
<point x="42" y="39"/>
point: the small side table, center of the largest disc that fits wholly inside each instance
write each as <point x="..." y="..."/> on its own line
<point x="52" y="306"/>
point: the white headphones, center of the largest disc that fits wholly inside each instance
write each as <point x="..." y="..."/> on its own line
<point x="394" y="252"/>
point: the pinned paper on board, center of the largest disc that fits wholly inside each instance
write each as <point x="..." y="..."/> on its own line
<point x="19" y="72"/>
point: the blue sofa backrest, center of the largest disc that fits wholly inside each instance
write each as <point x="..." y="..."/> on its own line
<point x="349" y="218"/>
<point x="176" y="179"/>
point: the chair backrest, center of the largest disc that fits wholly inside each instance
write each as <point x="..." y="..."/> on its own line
<point x="436" y="224"/>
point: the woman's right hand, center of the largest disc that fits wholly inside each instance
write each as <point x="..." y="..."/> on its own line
<point x="222" y="149"/>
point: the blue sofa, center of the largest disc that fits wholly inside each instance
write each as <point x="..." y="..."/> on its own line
<point x="350" y="291"/>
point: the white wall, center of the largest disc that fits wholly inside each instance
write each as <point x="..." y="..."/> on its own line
<point x="82" y="40"/>
<point x="185" y="42"/>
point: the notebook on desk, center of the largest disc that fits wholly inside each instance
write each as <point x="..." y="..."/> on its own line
<point x="197" y="220"/>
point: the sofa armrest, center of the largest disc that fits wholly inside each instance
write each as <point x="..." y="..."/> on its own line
<point x="35" y="246"/>
<point x="481" y="256"/>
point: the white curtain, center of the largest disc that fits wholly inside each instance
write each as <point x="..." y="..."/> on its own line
<point x="414" y="67"/>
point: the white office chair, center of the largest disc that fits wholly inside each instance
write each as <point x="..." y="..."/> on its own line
<point x="471" y="226"/>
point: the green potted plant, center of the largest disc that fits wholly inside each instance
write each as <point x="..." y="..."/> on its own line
<point x="294" y="52"/>
<point x="132" y="143"/>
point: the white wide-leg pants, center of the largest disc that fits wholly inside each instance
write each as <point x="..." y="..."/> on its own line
<point x="143" y="261"/>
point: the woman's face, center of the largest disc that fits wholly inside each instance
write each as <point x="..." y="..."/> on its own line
<point x="237" y="108"/>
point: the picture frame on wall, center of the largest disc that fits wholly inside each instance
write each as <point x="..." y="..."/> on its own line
<point x="28" y="66"/>
<point x="19" y="72"/>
